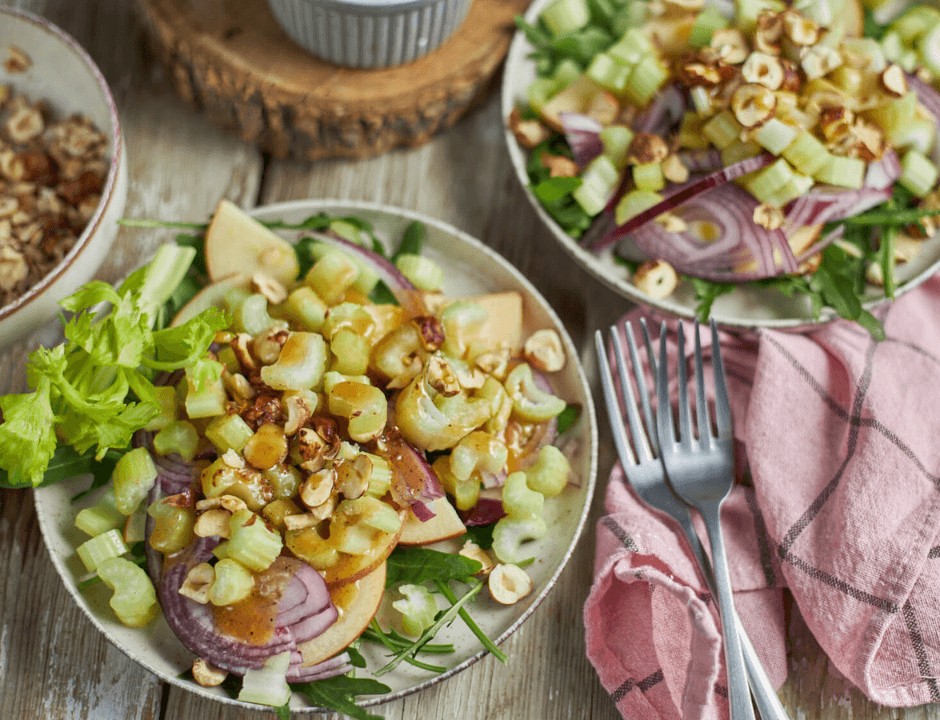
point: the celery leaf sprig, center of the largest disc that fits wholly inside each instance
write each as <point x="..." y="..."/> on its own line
<point x="94" y="391"/>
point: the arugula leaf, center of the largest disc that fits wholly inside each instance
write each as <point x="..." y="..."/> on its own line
<point x="872" y="28"/>
<point x="885" y="215"/>
<point x="706" y="292"/>
<point x="567" y="417"/>
<point x="482" y="535"/>
<point x="445" y="590"/>
<point x="553" y="190"/>
<point x="418" y="565"/>
<point x="381" y="295"/>
<point x="375" y="633"/>
<point x="339" y="693"/>
<point x="66" y="463"/>
<point x="303" y="249"/>
<point x="581" y="45"/>
<point x="412" y="241"/>
<point x="282" y="712"/>
<point x="355" y="657"/>
<point x="395" y="641"/>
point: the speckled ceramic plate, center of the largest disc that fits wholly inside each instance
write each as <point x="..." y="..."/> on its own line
<point x="471" y="268"/>
<point x="748" y="307"/>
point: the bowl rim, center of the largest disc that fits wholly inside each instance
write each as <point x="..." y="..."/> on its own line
<point x="596" y="267"/>
<point x="110" y="187"/>
<point x="370" y="7"/>
<point x="589" y="481"/>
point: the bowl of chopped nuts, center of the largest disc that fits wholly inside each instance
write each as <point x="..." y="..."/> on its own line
<point x="63" y="171"/>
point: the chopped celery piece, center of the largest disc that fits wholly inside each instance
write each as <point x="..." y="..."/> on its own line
<point x="284" y="480"/>
<point x="301" y="364"/>
<point x="251" y="315"/>
<point x="599" y="181"/>
<point x="368" y="278"/>
<point x="305" y="307"/>
<point x="332" y="378"/>
<point x="566" y="73"/>
<point x="418" y="608"/>
<point x="775" y="136"/>
<point x="550" y="472"/>
<point x="100" y="517"/>
<point x="275" y="512"/>
<point x="928" y="48"/>
<point x="226" y="356"/>
<point x="465" y="492"/>
<point x="806" y="153"/>
<point x="178" y="437"/>
<point x="847" y="78"/>
<point x="645" y="80"/>
<point x="233" y="583"/>
<point x="134" y="600"/>
<point x="893" y="115"/>
<point x="701" y="99"/>
<point x="93" y="552"/>
<point x="690" y="132"/>
<point x="747" y="12"/>
<point x="632" y="47"/>
<point x="797" y="186"/>
<point x="511" y="534"/>
<point x="918" y="134"/>
<point x="635" y="202"/>
<point x="649" y="177"/>
<point x="173" y="525"/>
<point x="209" y="400"/>
<point x="722" y="130"/>
<point x="252" y="542"/>
<point x="166" y="399"/>
<point x="819" y="11"/>
<point x="229" y="432"/>
<point x="564" y="16"/>
<point x="364" y="406"/>
<point x="842" y="171"/>
<point x="706" y="23"/>
<point x="529" y="401"/>
<point x="372" y="513"/>
<point x="134" y="475"/>
<point x="767" y="181"/>
<point x="738" y="151"/>
<point x="609" y="73"/>
<point x="918" y="174"/>
<point x="519" y="501"/>
<point x="267" y="686"/>
<point x="381" y="477"/>
<point x="350" y="352"/>
<point x="540" y="91"/>
<point x="914" y="23"/>
<point x="616" y="140"/>
<point x="423" y="272"/>
<point x="332" y="275"/>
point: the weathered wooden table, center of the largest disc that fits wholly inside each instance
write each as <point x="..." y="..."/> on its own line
<point x="54" y="664"/>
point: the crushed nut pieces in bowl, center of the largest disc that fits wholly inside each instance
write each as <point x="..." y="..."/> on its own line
<point x="63" y="175"/>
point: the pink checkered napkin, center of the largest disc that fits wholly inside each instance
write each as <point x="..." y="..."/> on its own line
<point x="841" y="438"/>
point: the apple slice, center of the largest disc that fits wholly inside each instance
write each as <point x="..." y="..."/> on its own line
<point x="355" y="567"/>
<point x="210" y="296"/>
<point x="237" y="243"/>
<point x="357" y="604"/>
<point x="444" y="525"/>
<point x="504" y="321"/>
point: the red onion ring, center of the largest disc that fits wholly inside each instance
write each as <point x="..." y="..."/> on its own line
<point x="583" y="135"/>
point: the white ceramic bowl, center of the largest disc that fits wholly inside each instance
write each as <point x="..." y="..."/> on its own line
<point x="471" y="268"/>
<point x="63" y="75"/>
<point x="369" y="33"/>
<point x="749" y="307"/>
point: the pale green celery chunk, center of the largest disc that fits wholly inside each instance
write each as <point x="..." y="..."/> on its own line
<point x="178" y="437"/>
<point x="424" y="273"/>
<point x="519" y="501"/>
<point x="632" y="47"/>
<point x="208" y="401"/>
<point x="134" y="600"/>
<point x="918" y="174"/>
<point x="418" y="608"/>
<point x="564" y="16"/>
<point x="616" y="141"/>
<point x="806" y="153"/>
<point x="350" y="352"/>
<point x="251" y="315"/>
<point x="252" y="542"/>
<point x="173" y="525"/>
<point x="380" y="480"/>
<point x="609" y="73"/>
<point x="706" y="23"/>
<point x="332" y="275"/>
<point x="229" y="432"/>
<point x="134" y="476"/>
<point x="775" y="136"/>
<point x="550" y="472"/>
<point x="738" y="151"/>
<point x="100" y="517"/>
<point x="722" y="130"/>
<point x="529" y="402"/>
<point x="233" y="583"/>
<point x="635" y="202"/>
<point x="93" y="552"/>
<point x="166" y="399"/>
<point x="645" y="80"/>
<point x="842" y="171"/>
<point x="510" y="536"/>
<point x="332" y="378"/>
<point x="767" y="181"/>
<point x="648" y="177"/>
<point x="301" y="364"/>
<point x="599" y="180"/>
<point x="305" y="307"/>
<point x="267" y="686"/>
<point x="372" y="512"/>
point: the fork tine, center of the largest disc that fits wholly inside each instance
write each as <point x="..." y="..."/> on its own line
<point x="640" y="442"/>
<point x="701" y="407"/>
<point x="722" y="406"/>
<point x="641" y="387"/>
<point x="664" y="423"/>
<point x="685" y="420"/>
<point x="627" y="459"/>
<point x="650" y="355"/>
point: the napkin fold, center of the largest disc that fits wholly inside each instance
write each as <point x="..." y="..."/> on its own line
<point x="839" y="454"/>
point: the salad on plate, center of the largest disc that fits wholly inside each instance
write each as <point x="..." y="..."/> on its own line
<point x="297" y="449"/>
<point x="780" y="145"/>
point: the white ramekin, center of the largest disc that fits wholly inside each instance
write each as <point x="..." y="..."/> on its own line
<point x="369" y="33"/>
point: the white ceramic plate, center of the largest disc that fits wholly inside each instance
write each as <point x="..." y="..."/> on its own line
<point x="746" y="307"/>
<point x="471" y="268"/>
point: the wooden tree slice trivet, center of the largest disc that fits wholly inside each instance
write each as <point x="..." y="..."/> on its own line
<point x="230" y="59"/>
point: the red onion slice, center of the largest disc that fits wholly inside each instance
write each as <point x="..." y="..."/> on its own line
<point x="661" y="115"/>
<point x="413" y="480"/>
<point x="583" y="135"/>
<point x="422" y="511"/>
<point x="701" y="161"/>
<point x="485" y="512"/>
<point x="684" y="194"/>
<point x="926" y="95"/>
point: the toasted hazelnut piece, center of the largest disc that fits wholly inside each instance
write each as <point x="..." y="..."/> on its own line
<point x="674" y="171"/>
<point x="441" y="376"/>
<point x="559" y="165"/>
<point x="670" y="222"/>
<point x="798" y="29"/>
<point x="208" y="675"/>
<point x="238" y="386"/>
<point x="470" y="378"/>
<point x="11" y="165"/>
<point x="267" y="345"/>
<point x="894" y="81"/>
<point x="213" y="523"/>
<point x="25" y="124"/>
<point x="300" y="522"/>
<point x="647" y="148"/>
<point x="508" y="584"/>
<point x="352" y="476"/>
<point x="810" y="264"/>
<point x="322" y="512"/>
<point x="836" y="123"/>
<point x="228" y="502"/>
<point x="656" y="278"/>
<point x="197" y="583"/>
<point x="753" y="104"/>
<point x="819" y="60"/>
<point x="298" y="412"/>
<point x="544" y="351"/>
<point x="411" y="372"/>
<point x="273" y="291"/>
<point x="241" y="346"/>
<point x="13" y="268"/>
<point x="494" y="362"/>
<point x="317" y="488"/>
<point x="768" y="216"/>
<point x="233" y="459"/>
<point x="430" y="332"/>
<point x="8" y="206"/>
<point x="697" y="74"/>
<point x="604" y="107"/>
<point x="869" y="141"/>
<point x="731" y="45"/>
<point x="473" y="551"/>
<point x="529" y="133"/>
<point x="791" y="77"/>
<point x="768" y="32"/>
<point x="763" y="69"/>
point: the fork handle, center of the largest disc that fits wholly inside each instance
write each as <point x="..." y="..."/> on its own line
<point x="739" y="697"/>
<point x="768" y="702"/>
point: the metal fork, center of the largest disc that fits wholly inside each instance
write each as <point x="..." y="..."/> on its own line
<point x="646" y="475"/>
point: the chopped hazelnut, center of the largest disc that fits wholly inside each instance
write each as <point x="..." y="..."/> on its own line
<point x="317" y="488"/>
<point x="529" y="133"/>
<point x="25" y="124"/>
<point x="509" y="584"/>
<point x="696" y="74"/>
<point x="544" y="351"/>
<point x="274" y="292"/>
<point x="731" y="45"/>
<point x="768" y="32"/>
<point x="753" y="104"/>
<point x="473" y="551"/>
<point x="559" y="165"/>
<point x="208" y="675"/>
<point x="197" y="583"/>
<point x="763" y="69"/>
<point x="819" y="60"/>
<point x="213" y="523"/>
<point x="647" y="148"/>
<point x="674" y="171"/>
<point x="441" y="376"/>
<point x="670" y="222"/>
<point x="768" y="216"/>
<point x="894" y="81"/>
<point x="798" y="29"/>
<point x="656" y="278"/>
